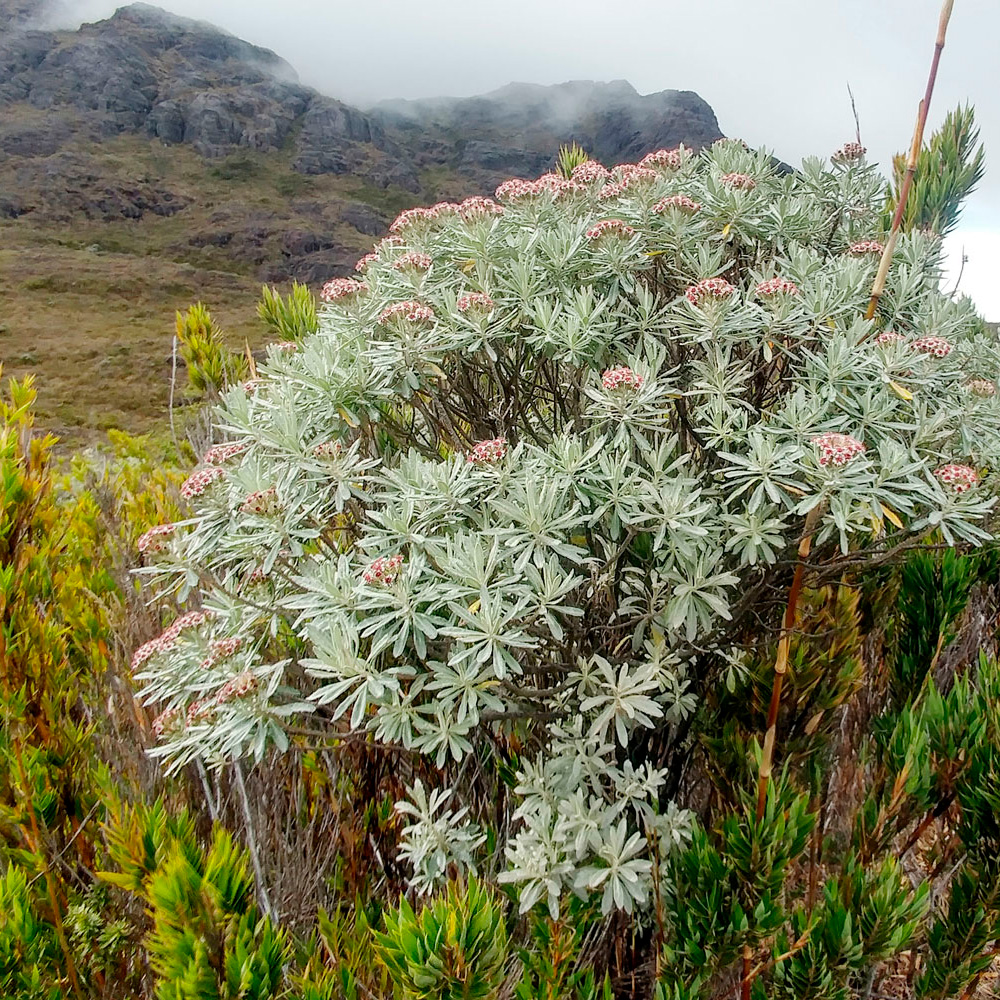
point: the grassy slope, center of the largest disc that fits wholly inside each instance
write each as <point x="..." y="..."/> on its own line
<point x="89" y="305"/>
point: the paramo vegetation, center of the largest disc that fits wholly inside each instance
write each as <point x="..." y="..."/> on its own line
<point x="459" y="652"/>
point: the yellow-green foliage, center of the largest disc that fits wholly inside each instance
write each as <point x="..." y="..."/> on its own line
<point x="455" y="948"/>
<point x="948" y="169"/>
<point x="211" y="366"/>
<point x="209" y="940"/>
<point x="291" y="318"/>
<point x="570" y="156"/>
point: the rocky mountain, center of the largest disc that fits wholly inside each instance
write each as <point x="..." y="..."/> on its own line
<point x="149" y="145"/>
<point x="145" y="72"/>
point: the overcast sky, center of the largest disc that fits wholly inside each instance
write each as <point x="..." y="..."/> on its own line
<point x="775" y="71"/>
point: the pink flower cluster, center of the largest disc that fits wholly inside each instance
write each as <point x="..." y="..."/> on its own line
<point x="837" y="449"/>
<point x="589" y="172"/>
<point x="240" y="686"/>
<point x="251" y="385"/>
<point x="777" y="286"/>
<point x="479" y="208"/>
<point x="849" y="152"/>
<point x="662" y="159"/>
<point x="341" y="289"/>
<point x="168" y="719"/>
<point x="610" y="227"/>
<point x="412" y="216"/>
<point x="412" y="312"/>
<point x="738" y="182"/>
<point x="219" y="650"/>
<point x="362" y="265"/>
<point x="200" y="710"/>
<point x="413" y="262"/>
<point x="199" y="481"/>
<point x="384" y="570"/>
<point x="982" y="387"/>
<point x="222" y="453"/>
<point x="887" y="337"/>
<point x="621" y="377"/>
<point x="475" y="302"/>
<point x="938" y="347"/>
<point x="866" y="247"/>
<point x="709" y="289"/>
<point x="263" y="503"/>
<point x="488" y="452"/>
<point x="328" y="450"/>
<point x="168" y="637"/>
<point x="515" y="189"/>
<point x="959" y="477"/>
<point x="155" y="540"/>
<point x="680" y="202"/>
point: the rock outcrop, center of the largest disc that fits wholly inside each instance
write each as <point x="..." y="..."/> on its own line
<point x="144" y="72"/>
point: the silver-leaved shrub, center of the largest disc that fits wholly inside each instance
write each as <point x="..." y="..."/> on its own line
<point x="538" y="469"/>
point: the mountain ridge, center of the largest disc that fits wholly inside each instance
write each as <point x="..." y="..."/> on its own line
<point x="147" y="160"/>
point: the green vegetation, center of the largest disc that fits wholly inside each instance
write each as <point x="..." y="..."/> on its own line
<point x="534" y="624"/>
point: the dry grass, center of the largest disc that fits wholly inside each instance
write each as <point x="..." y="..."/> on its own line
<point x="88" y="305"/>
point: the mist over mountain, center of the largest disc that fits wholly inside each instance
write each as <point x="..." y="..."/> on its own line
<point x="147" y="160"/>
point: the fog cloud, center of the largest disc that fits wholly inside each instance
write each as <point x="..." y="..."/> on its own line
<point x="775" y="71"/>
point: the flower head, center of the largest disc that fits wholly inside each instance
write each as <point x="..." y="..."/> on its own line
<point x="263" y="503"/>
<point x="413" y="217"/>
<point x="849" y="152"/>
<point x="738" y="182"/>
<point x="710" y="289"/>
<point x="328" y="450"/>
<point x="488" y="452"/>
<point x="479" y="208"/>
<point x="677" y="202"/>
<point x="239" y="687"/>
<point x="887" y="337"/>
<point x="837" y="449"/>
<point x="982" y="387"/>
<point x="610" y="227"/>
<point x="362" y="265"/>
<point x="251" y="385"/>
<point x="155" y="540"/>
<point x="285" y="346"/>
<point x="621" y="378"/>
<point x="475" y="302"/>
<point x="167" y="720"/>
<point x="200" y="710"/>
<point x="589" y="172"/>
<point x="413" y="262"/>
<point x="777" y="286"/>
<point x="662" y="159"/>
<point x="411" y="312"/>
<point x="219" y="650"/>
<point x="221" y="453"/>
<point x="938" y="347"/>
<point x="384" y="570"/>
<point x="166" y="639"/>
<point x="631" y="175"/>
<point x="345" y="289"/>
<point x="199" y="481"/>
<point x="959" y="477"/>
<point x="866" y="247"/>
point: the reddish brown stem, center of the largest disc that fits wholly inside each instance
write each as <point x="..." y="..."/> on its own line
<point x="911" y="163"/>
<point x="781" y="659"/>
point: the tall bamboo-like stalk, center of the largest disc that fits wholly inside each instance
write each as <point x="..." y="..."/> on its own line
<point x="805" y="544"/>
<point x="911" y="163"/>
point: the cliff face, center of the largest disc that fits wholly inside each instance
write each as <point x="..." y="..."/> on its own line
<point x="148" y="160"/>
<point x="146" y="73"/>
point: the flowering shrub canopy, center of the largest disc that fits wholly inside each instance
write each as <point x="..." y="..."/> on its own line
<point x="531" y="480"/>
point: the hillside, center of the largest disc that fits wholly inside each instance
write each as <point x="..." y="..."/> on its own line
<point x="147" y="160"/>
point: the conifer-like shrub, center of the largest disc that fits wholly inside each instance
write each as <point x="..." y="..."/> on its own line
<point x="530" y="499"/>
